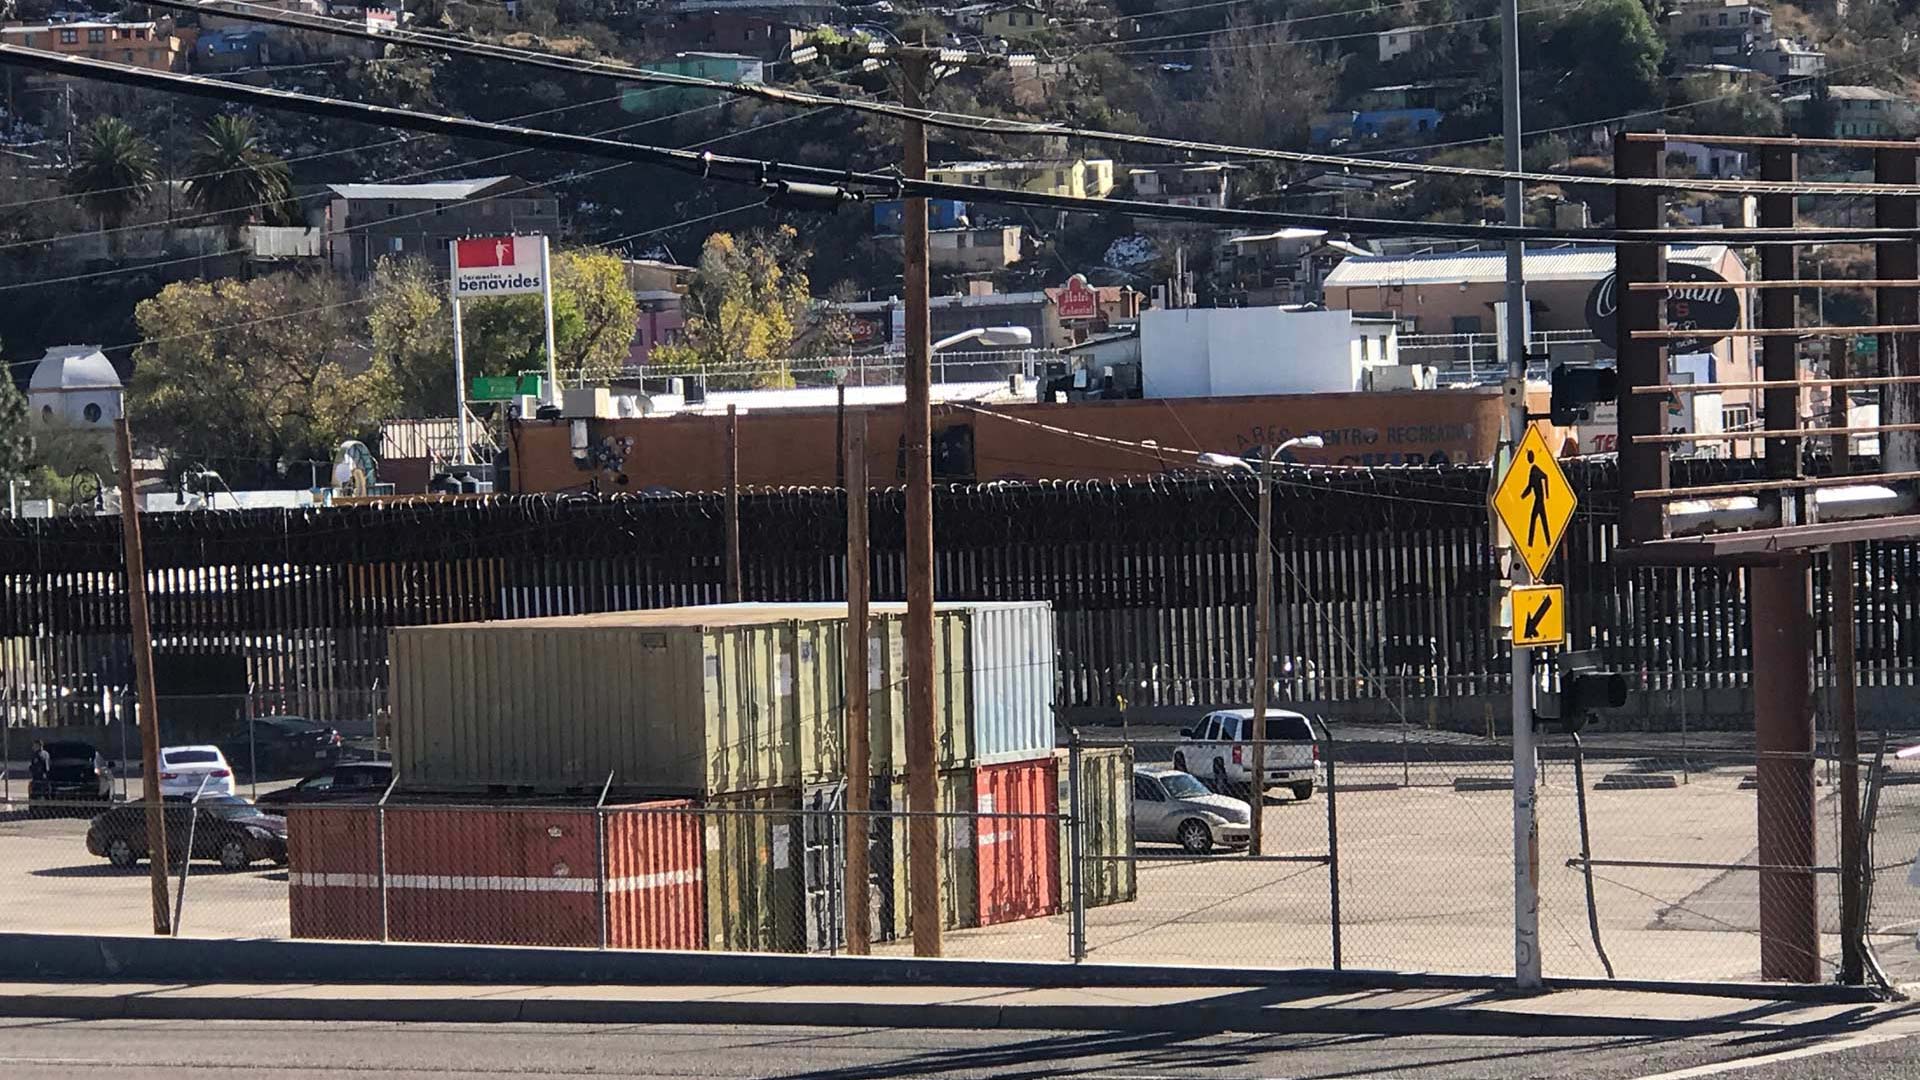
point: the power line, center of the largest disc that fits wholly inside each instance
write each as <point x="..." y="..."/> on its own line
<point x="840" y="184"/>
<point x="1001" y="126"/>
<point x="1281" y="23"/>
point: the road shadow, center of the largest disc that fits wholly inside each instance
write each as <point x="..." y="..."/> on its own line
<point x="200" y="869"/>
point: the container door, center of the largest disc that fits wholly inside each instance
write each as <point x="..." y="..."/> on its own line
<point x="825" y="867"/>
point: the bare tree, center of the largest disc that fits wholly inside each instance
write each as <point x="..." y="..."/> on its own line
<point x="1263" y="89"/>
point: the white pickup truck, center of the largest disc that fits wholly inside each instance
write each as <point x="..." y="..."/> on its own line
<point x="1217" y="750"/>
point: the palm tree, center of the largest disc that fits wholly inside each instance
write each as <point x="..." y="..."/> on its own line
<point x="233" y="177"/>
<point x="112" y="175"/>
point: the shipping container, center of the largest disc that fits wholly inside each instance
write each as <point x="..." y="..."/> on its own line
<point x="1018" y="858"/>
<point x="333" y="872"/>
<point x="694" y="701"/>
<point x="1106" y="803"/>
<point x="656" y="881"/>
<point x="756" y="892"/>
<point x="492" y="876"/>
<point x="499" y="875"/>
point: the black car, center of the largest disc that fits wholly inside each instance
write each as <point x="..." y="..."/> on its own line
<point x="77" y="771"/>
<point x="229" y="830"/>
<point x="354" y="782"/>
<point x="280" y="746"/>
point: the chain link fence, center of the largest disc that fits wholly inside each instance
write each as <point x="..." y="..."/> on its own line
<point x="1379" y="849"/>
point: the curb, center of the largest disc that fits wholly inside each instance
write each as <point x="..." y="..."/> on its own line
<point x="1180" y="1019"/>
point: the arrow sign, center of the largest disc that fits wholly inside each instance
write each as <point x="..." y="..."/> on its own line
<point x="1539" y="616"/>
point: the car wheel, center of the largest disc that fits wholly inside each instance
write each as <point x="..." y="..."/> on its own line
<point x="234" y="854"/>
<point x="1303" y="792"/>
<point x="121" y="854"/>
<point x="1196" y="837"/>
<point x="1180" y="761"/>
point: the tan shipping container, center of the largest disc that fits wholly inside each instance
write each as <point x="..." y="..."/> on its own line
<point x="675" y="701"/>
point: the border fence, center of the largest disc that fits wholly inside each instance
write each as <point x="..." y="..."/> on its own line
<point x="1386" y="588"/>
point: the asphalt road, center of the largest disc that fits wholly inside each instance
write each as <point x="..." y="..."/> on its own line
<point x="59" y="1050"/>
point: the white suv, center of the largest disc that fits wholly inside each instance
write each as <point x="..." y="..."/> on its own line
<point x="1217" y="750"/>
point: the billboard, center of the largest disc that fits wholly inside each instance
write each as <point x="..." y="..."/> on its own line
<point x="498" y="266"/>
<point x="1078" y="300"/>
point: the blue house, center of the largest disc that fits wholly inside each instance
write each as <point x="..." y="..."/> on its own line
<point x="653" y="99"/>
<point x="230" y="50"/>
<point x="941" y="214"/>
<point x="1370" y="124"/>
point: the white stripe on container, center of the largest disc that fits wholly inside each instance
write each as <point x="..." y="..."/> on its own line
<point x="496" y="883"/>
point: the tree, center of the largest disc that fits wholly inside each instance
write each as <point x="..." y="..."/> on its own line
<point x="746" y="308"/>
<point x="234" y="177"/>
<point x="1610" y="54"/>
<point x="113" y="175"/>
<point x="249" y="375"/>
<point x="411" y="322"/>
<point x="1262" y="89"/>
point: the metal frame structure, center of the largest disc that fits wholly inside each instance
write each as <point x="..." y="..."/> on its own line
<point x="1774" y="527"/>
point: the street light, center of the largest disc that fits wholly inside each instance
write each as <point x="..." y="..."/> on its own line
<point x="993" y="337"/>
<point x="1262" y="619"/>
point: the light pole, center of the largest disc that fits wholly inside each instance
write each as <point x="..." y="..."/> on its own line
<point x="1262" y="620"/>
<point x="993" y="337"/>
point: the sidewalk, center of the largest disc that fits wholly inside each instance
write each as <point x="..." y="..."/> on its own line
<point x="1570" y="1013"/>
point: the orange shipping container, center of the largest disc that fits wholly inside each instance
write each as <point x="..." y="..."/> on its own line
<point x="501" y="876"/>
<point x="1018" y="857"/>
<point x="656" y="880"/>
<point x="333" y="872"/>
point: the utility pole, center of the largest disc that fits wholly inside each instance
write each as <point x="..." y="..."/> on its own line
<point x="1262" y="657"/>
<point x="140" y="631"/>
<point x="1526" y="824"/>
<point x="859" y="781"/>
<point x="915" y="69"/>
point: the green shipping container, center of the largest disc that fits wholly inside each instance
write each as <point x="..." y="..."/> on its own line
<point x="1106" y="803"/>
<point x="959" y="882"/>
<point x="682" y="701"/>
<point x="756" y="886"/>
<point x="887" y="692"/>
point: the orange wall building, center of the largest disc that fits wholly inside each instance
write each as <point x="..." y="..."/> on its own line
<point x="155" y="45"/>
<point x="796" y="447"/>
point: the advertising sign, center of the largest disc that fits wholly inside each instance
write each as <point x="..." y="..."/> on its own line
<point x="1697" y="299"/>
<point x="497" y="266"/>
<point x="1078" y="300"/>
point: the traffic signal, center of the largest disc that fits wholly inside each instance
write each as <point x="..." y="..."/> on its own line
<point x="1586" y="688"/>
<point x="1577" y="388"/>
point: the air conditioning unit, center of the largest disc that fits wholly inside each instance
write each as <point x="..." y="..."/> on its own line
<point x="587" y="403"/>
<point x="1402" y="377"/>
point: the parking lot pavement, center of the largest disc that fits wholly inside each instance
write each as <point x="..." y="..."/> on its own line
<point x="1425" y="885"/>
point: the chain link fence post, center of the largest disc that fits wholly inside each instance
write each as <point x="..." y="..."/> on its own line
<point x="1333" y="843"/>
<point x="1586" y="850"/>
<point x="1077" y="851"/>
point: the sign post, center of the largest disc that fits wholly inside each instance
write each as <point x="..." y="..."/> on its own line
<point x="459" y="366"/>
<point x="504" y="266"/>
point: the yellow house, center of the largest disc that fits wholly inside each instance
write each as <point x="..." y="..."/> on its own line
<point x="1013" y="21"/>
<point x="1080" y="178"/>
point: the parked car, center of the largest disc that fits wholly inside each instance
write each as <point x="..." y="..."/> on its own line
<point x="281" y="746"/>
<point x="184" y="768"/>
<point x="355" y="782"/>
<point x="1174" y="807"/>
<point x="229" y="829"/>
<point x="1217" y="749"/>
<point x="75" y="770"/>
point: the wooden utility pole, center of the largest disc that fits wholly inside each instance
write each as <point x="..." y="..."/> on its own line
<point x="140" y="631"/>
<point x="915" y="68"/>
<point x="859" y="781"/>
<point x="732" y="592"/>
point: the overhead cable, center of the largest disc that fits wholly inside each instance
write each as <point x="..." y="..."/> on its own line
<point x="240" y="9"/>
<point x="757" y="172"/>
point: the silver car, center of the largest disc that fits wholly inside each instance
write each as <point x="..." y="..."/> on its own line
<point x="1174" y="807"/>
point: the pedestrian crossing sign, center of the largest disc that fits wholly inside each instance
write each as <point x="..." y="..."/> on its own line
<point x="1534" y="501"/>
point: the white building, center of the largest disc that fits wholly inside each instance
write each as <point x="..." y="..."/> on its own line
<point x="1229" y="352"/>
<point x="76" y="385"/>
<point x="1394" y="44"/>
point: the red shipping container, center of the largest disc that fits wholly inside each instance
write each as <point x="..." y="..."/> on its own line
<point x="656" y="877"/>
<point x="333" y="872"/>
<point x="493" y="877"/>
<point x="1018" y="857"/>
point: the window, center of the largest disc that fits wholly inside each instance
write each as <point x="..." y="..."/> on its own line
<point x="323" y="782"/>
<point x="439" y="209"/>
<point x="153" y="56"/>
<point x="1736" y="417"/>
<point x="126" y="56"/>
<point x="95" y="37"/>
<point x="92" y="412"/>
<point x="1723" y="18"/>
<point x="69" y="37"/>
<point x="1466" y="324"/>
<point x="1146" y="790"/>
<point x="396" y="243"/>
<point x="140" y="35"/>
<point x="1182" y="786"/>
<point x="1743" y="18"/>
<point x="1703" y="20"/>
<point x="46" y="413"/>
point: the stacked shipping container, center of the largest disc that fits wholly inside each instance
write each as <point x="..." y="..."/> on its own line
<point x="739" y="707"/>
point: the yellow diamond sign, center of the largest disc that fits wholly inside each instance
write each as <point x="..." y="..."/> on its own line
<point x="1535" y="502"/>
